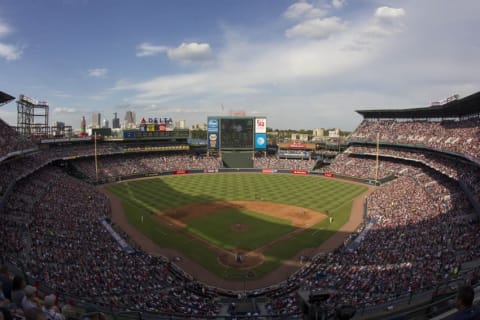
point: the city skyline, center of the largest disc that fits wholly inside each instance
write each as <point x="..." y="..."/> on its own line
<point x="303" y="64"/>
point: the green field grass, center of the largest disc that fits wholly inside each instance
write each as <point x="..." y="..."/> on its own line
<point x="144" y="197"/>
<point x="215" y="228"/>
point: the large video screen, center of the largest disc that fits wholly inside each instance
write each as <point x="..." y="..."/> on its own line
<point x="236" y="133"/>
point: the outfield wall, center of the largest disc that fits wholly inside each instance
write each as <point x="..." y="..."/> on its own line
<point x="240" y="170"/>
<point x="237" y="159"/>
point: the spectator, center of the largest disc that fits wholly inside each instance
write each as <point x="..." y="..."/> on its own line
<point x="10" y="141"/>
<point x="18" y="293"/>
<point x="51" y="311"/>
<point x="35" y="314"/>
<point x="6" y="282"/>
<point x="3" y="300"/>
<point x="29" y="300"/>
<point x="464" y="304"/>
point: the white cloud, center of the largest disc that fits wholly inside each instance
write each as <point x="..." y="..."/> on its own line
<point x="4" y="29"/>
<point x="309" y="84"/>
<point x="98" y="72"/>
<point x="147" y="49"/>
<point x="327" y="80"/>
<point x="316" y="28"/>
<point x="302" y="10"/>
<point x="387" y="21"/>
<point x="185" y="52"/>
<point x="258" y="69"/>
<point x="191" y="52"/>
<point x="263" y="75"/>
<point x="389" y="13"/>
<point x="61" y="95"/>
<point x="10" y="52"/>
<point x="337" y="4"/>
<point x="380" y="30"/>
<point x="64" y="110"/>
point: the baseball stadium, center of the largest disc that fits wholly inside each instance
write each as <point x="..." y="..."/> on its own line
<point x="146" y="223"/>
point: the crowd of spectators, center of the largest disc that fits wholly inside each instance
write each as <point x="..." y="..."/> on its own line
<point x="51" y="227"/>
<point x="422" y="233"/>
<point x="456" y="168"/>
<point x="113" y="162"/>
<point x="273" y="162"/>
<point x="18" y="167"/>
<point x="130" y="164"/>
<point x="360" y="166"/>
<point x="295" y="151"/>
<point x="284" y="304"/>
<point x="422" y="225"/>
<point x="461" y="136"/>
<point x="14" y="169"/>
<point x="11" y="141"/>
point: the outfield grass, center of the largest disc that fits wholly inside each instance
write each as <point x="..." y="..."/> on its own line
<point x="144" y="197"/>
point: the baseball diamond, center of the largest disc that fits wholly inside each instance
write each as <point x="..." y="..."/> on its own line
<point x="219" y="224"/>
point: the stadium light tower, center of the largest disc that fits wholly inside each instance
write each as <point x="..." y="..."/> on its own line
<point x="32" y="117"/>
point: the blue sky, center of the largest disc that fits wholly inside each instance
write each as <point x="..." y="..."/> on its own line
<point x="303" y="64"/>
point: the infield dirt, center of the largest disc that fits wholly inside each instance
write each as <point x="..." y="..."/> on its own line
<point x="239" y="258"/>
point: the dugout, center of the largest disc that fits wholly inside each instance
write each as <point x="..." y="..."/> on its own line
<point x="237" y="159"/>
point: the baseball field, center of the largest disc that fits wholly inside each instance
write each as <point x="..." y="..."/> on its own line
<point x="233" y="223"/>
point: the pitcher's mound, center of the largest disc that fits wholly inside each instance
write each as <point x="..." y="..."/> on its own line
<point x="241" y="259"/>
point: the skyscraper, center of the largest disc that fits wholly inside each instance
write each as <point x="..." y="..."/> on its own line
<point x="96" y="120"/>
<point x="83" y="126"/>
<point x="129" y="119"/>
<point x="115" y="121"/>
<point x="180" y="124"/>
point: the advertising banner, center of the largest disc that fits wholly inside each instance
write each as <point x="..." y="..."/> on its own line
<point x="260" y="125"/>
<point x="128" y="134"/>
<point x="162" y="127"/>
<point x="180" y="172"/>
<point x="213" y="125"/>
<point x="299" y="171"/>
<point x="212" y="140"/>
<point x="260" y="141"/>
<point x="269" y="170"/>
<point x="328" y="174"/>
<point x="210" y="170"/>
<point x="150" y="127"/>
<point x="297" y="146"/>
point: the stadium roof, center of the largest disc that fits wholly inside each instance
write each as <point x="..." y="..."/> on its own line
<point x="5" y="98"/>
<point x="454" y="109"/>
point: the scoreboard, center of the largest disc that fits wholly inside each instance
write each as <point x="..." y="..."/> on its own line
<point x="237" y="133"/>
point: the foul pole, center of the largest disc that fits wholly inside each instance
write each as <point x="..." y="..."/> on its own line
<point x="376" y="161"/>
<point x="96" y="162"/>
